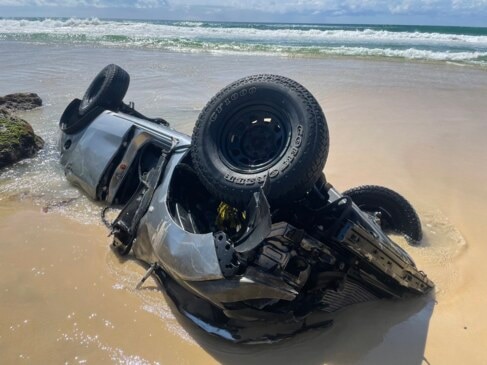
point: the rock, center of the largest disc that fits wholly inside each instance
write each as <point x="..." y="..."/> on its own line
<point x="20" y="101"/>
<point x="17" y="139"/>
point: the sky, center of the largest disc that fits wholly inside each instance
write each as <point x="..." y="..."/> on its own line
<point x="427" y="12"/>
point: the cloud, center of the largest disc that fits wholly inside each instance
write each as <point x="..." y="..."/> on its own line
<point x="350" y="6"/>
<point x="141" y="4"/>
<point x="269" y="9"/>
<point x="149" y="4"/>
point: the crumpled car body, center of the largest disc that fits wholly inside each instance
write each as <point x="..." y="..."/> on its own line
<point x="260" y="285"/>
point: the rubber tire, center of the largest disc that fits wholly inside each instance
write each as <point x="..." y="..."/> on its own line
<point x="307" y="150"/>
<point x="397" y="213"/>
<point x="107" y="89"/>
<point x="71" y="122"/>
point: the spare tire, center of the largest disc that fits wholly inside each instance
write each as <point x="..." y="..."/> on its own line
<point x="259" y="126"/>
<point x="107" y="89"/>
<point x="396" y="213"/>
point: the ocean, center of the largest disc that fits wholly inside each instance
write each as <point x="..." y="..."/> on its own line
<point x="457" y="45"/>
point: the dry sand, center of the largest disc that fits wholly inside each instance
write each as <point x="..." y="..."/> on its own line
<point x="66" y="298"/>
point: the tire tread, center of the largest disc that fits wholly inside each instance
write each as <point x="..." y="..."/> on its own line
<point x="320" y="144"/>
<point x="410" y="222"/>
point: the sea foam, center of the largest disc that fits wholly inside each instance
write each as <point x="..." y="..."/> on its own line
<point x="270" y="39"/>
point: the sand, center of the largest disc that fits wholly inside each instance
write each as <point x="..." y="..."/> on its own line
<point x="417" y="128"/>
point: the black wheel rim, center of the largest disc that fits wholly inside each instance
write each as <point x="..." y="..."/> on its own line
<point x="255" y="138"/>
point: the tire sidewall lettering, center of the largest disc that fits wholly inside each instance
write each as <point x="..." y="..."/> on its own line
<point x="229" y="100"/>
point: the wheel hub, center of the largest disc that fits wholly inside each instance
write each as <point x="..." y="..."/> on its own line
<point x="254" y="139"/>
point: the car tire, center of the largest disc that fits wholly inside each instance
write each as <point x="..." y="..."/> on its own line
<point x="397" y="214"/>
<point x="259" y="127"/>
<point x="72" y="122"/>
<point x="107" y="89"/>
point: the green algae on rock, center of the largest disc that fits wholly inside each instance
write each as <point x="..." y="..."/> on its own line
<point x="17" y="139"/>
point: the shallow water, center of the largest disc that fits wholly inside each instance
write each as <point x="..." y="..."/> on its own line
<point x="416" y="128"/>
<point x="69" y="299"/>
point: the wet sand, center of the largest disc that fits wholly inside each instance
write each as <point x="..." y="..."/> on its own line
<point x="417" y="128"/>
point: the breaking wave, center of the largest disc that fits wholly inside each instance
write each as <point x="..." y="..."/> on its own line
<point x="464" y="45"/>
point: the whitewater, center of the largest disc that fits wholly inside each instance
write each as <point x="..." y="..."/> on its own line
<point x="454" y="44"/>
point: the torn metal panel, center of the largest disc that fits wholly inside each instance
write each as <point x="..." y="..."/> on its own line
<point x="187" y="255"/>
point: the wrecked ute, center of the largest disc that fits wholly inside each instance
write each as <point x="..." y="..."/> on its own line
<point x="238" y="222"/>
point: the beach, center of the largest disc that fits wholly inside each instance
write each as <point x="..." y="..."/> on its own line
<point x="418" y="127"/>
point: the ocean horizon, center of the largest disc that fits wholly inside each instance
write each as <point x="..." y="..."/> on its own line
<point x="444" y="44"/>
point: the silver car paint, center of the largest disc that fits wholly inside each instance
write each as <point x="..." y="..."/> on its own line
<point x="85" y="165"/>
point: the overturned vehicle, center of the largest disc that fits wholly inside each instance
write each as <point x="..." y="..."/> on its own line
<point x="238" y="221"/>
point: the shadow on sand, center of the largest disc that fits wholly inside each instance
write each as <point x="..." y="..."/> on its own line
<point x="381" y="332"/>
<point x="378" y="332"/>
